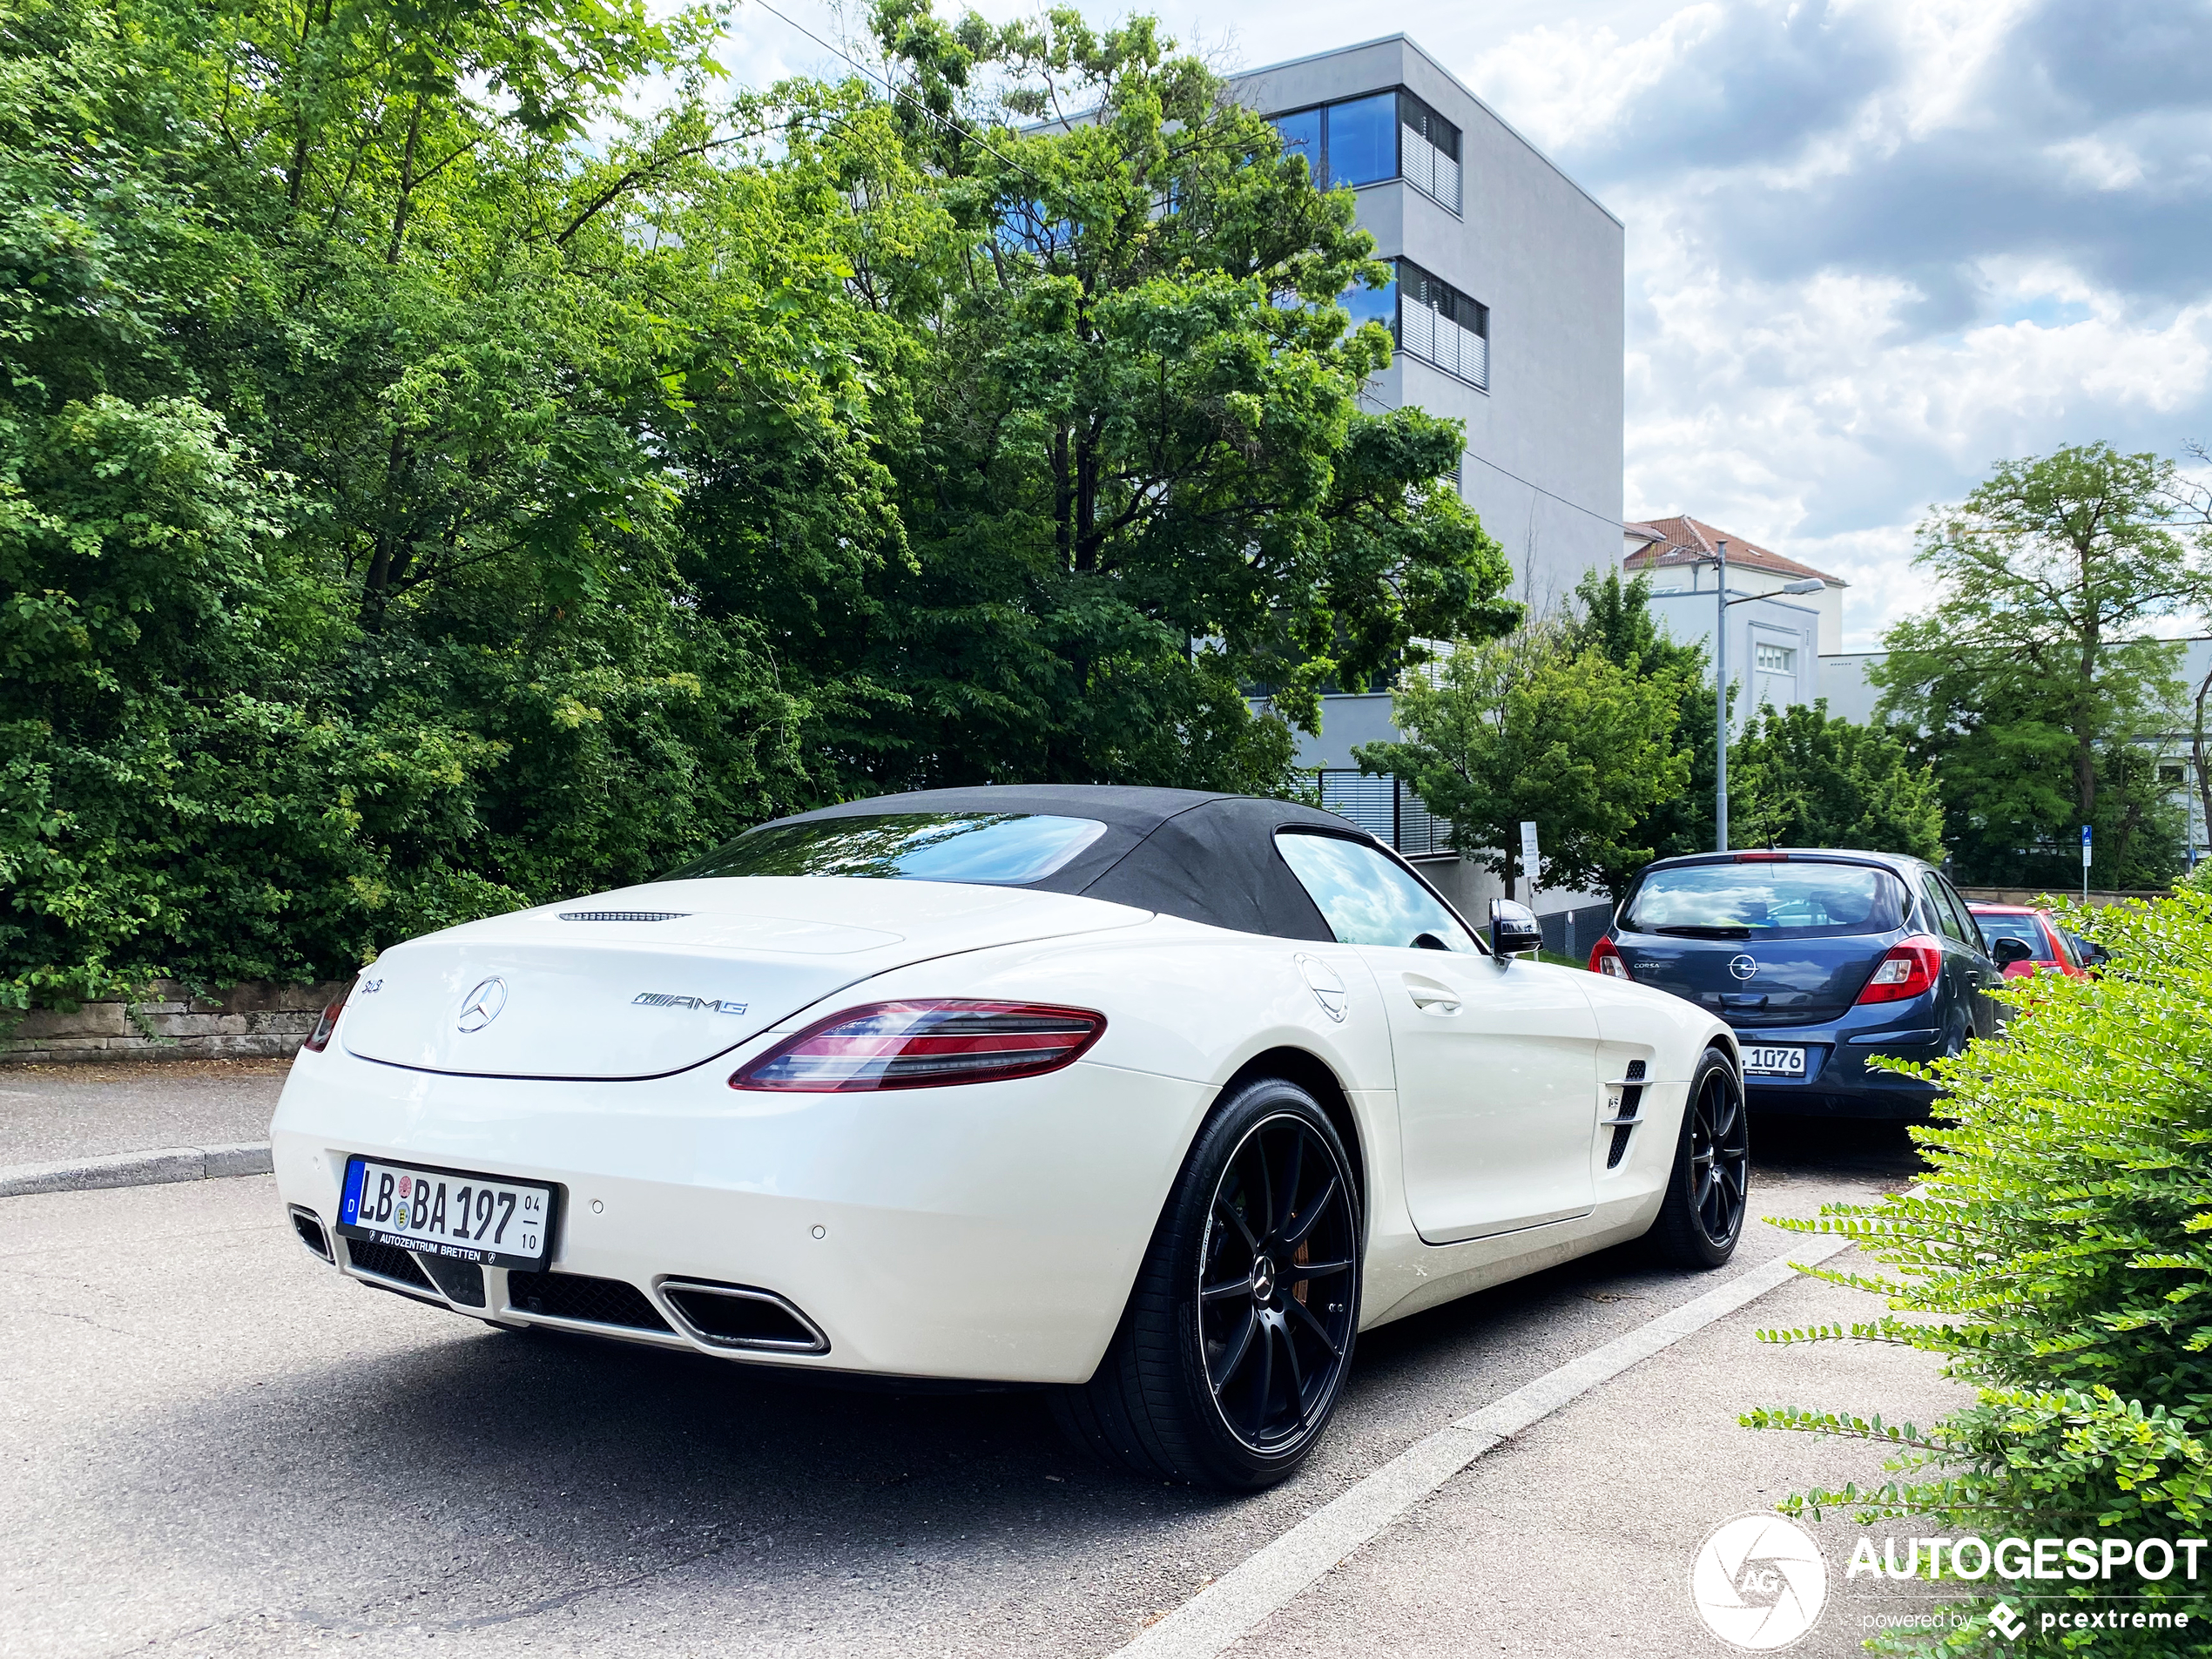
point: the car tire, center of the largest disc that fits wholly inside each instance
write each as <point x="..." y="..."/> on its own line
<point x="1701" y="1221"/>
<point x="1228" y="1361"/>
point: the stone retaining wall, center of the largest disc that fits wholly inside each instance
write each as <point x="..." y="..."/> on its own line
<point x="2099" y="897"/>
<point x="253" y="1019"/>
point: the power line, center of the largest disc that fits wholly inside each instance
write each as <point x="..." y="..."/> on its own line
<point x="1540" y="490"/>
<point x="892" y="88"/>
<point x="1369" y="397"/>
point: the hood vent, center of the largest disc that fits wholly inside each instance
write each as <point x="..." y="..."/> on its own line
<point x="623" y="916"/>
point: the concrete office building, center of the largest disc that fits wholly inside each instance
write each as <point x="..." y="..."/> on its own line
<point x="1508" y="310"/>
<point x="1508" y="303"/>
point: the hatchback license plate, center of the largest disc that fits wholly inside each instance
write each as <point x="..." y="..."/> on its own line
<point x="447" y="1212"/>
<point x="1774" y="1062"/>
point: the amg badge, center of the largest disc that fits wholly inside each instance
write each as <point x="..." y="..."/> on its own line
<point x="662" y="1000"/>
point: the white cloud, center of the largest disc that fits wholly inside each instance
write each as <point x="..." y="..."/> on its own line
<point x="1875" y="246"/>
<point x="1565" y="84"/>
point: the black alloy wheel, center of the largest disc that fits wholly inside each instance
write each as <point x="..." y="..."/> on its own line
<point x="1274" y="1317"/>
<point x="1229" y="1358"/>
<point x="1701" y="1221"/>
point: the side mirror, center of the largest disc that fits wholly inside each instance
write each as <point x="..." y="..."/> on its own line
<point x="1514" y="929"/>
<point x="2006" y="952"/>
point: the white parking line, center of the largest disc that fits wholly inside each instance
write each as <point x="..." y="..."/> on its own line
<point x="1237" y="1603"/>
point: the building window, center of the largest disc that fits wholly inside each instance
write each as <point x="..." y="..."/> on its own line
<point x="1775" y="659"/>
<point x="1439" y="325"/>
<point x="1429" y="147"/>
<point x="1372" y="305"/>
<point x="1387" y="809"/>
<point x="2169" y="774"/>
<point x="1366" y="140"/>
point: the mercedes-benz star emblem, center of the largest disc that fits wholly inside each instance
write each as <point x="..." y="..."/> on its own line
<point x="1742" y="967"/>
<point x="482" y="1005"/>
<point x="1263" y="1280"/>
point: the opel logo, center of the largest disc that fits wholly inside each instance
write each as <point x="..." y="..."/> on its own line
<point x="482" y="1005"/>
<point x="1742" y="967"/>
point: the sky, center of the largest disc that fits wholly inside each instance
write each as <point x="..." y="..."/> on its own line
<point x="1873" y="245"/>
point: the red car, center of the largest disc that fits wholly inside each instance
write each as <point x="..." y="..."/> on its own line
<point x="2023" y="939"/>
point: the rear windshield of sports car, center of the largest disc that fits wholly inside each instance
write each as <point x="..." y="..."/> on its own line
<point x="1765" y="900"/>
<point x="992" y="849"/>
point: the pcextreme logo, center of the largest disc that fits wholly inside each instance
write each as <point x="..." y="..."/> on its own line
<point x="1759" y="1582"/>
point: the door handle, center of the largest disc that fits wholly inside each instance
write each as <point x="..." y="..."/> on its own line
<point x="1427" y="994"/>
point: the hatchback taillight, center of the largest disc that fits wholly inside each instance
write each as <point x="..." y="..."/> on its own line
<point x="1605" y="958"/>
<point x="319" y="1039"/>
<point x="1909" y="969"/>
<point x="923" y="1045"/>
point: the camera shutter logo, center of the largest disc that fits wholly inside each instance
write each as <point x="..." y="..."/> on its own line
<point x="482" y="1005"/>
<point x="1759" y="1582"/>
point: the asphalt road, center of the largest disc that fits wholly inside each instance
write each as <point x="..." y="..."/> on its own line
<point x="213" y="1445"/>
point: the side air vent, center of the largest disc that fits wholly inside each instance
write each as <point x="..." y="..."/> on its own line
<point x="623" y="916"/>
<point x="583" y="1298"/>
<point x="308" y="1225"/>
<point x="1631" y="1088"/>
<point x="389" y="1262"/>
<point x="737" y="1316"/>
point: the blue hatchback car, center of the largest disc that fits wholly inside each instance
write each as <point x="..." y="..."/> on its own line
<point x="1820" y="961"/>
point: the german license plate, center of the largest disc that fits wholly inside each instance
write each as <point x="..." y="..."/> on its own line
<point x="1759" y="1061"/>
<point x="447" y="1212"/>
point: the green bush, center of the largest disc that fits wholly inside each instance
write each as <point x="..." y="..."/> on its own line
<point x="2057" y="1256"/>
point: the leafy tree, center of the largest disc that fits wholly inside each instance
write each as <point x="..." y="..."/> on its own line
<point x="1614" y="618"/>
<point x="1535" y="727"/>
<point x="1142" y="480"/>
<point x="2026" y="682"/>
<point x="1802" y="778"/>
<point x="336" y="594"/>
<point x="426" y="486"/>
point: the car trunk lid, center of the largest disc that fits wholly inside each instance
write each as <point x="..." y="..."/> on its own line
<point x="1752" y="981"/>
<point x="647" y="981"/>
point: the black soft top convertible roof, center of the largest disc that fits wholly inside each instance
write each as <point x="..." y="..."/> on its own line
<point x="1181" y="852"/>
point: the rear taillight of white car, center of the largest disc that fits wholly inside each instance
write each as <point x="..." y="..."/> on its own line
<point x="1605" y="958"/>
<point x="320" y="1038"/>
<point x="1910" y="968"/>
<point x="923" y="1045"/>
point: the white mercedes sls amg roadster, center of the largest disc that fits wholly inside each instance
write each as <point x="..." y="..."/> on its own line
<point x="1158" y="1097"/>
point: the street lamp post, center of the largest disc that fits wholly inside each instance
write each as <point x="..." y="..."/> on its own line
<point x="1721" y="602"/>
<point x="1720" y="701"/>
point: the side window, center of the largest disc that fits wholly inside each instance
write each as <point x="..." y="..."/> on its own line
<point x="1939" y="906"/>
<point x="1364" y="898"/>
<point x="1969" y="929"/>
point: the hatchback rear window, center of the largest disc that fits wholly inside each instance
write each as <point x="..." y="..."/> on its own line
<point x="992" y="849"/>
<point x="1766" y="899"/>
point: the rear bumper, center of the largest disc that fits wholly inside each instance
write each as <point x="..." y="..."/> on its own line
<point x="1839" y="1081"/>
<point x="988" y="1232"/>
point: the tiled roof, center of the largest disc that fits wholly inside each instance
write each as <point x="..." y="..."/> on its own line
<point x="1689" y="541"/>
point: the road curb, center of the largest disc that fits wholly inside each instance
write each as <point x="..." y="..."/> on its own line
<point x="1232" y="1607"/>
<point x="157" y="1168"/>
